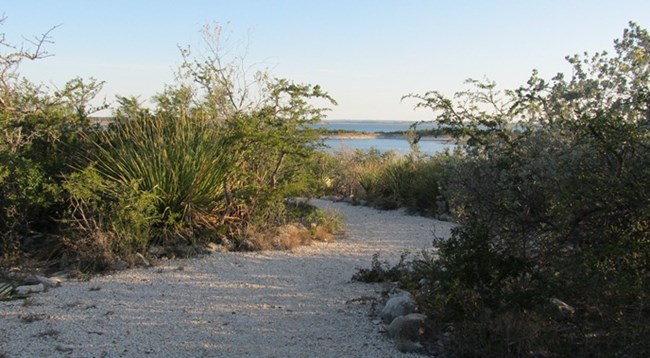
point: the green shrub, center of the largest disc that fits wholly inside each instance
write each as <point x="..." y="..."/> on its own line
<point x="553" y="207"/>
<point x="192" y="168"/>
<point x="189" y="170"/>
<point x="176" y="165"/>
<point x="388" y="181"/>
<point x="41" y="141"/>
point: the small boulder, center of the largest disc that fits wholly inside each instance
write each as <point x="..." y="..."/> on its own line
<point x="49" y="282"/>
<point x="27" y="289"/>
<point x="157" y="251"/>
<point x="398" y="305"/>
<point x="412" y="332"/>
<point x="119" y="265"/>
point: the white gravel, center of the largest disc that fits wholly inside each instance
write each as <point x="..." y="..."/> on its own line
<point x="262" y="304"/>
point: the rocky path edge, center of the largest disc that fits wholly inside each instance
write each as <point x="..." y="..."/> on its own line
<point x="264" y="304"/>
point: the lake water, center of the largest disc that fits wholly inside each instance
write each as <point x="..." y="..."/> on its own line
<point x="385" y="145"/>
<point x="372" y="126"/>
<point x="381" y="144"/>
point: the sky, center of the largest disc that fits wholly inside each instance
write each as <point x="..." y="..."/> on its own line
<point x="366" y="53"/>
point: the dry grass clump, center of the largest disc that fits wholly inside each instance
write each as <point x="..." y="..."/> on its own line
<point x="321" y="233"/>
<point x="291" y="236"/>
<point x="288" y="236"/>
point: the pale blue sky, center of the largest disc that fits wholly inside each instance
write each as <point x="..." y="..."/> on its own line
<point x="365" y="53"/>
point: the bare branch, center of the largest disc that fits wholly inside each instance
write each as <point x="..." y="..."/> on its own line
<point x="38" y="42"/>
<point x="11" y="60"/>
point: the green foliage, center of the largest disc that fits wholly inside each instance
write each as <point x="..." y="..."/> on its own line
<point x="40" y="134"/>
<point x="177" y="163"/>
<point x="387" y="180"/>
<point x="382" y="271"/>
<point x="207" y="162"/>
<point x="282" y="128"/>
<point x="217" y="156"/>
<point x="27" y="196"/>
<point x="553" y="202"/>
<point x="100" y="209"/>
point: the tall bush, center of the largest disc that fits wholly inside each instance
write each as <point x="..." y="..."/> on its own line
<point x="554" y="207"/>
<point x="40" y="135"/>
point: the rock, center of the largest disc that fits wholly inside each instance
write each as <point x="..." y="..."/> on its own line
<point x="49" y="282"/>
<point x="23" y="290"/>
<point x="24" y="278"/>
<point x="184" y="251"/>
<point x="119" y="265"/>
<point x="31" y="280"/>
<point x="400" y="323"/>
<point x="398" y="305"/>
<point x="408" y="346"/>
<point x="64" y="348"/>
<point x="157" y="251"/>
<point x="411" y="332"/>
<point x="27" y="289"/>
<point x="212" y="248"/>
<point x="61" y="275"/>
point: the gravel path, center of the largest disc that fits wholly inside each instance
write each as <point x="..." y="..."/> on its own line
<point x="262" y="304"/>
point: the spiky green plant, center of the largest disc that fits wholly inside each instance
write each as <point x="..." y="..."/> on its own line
<point x="178" y="159"/>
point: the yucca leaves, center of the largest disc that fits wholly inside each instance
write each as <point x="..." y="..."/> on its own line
<point x="167" y="167"/>
<point x="178" y="159"/>
<point x="6" y="291"/>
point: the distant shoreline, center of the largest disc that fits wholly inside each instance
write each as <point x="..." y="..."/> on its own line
<point x="441" y="138"/>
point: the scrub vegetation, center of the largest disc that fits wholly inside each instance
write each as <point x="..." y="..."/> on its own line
<point x="552" y="255"/>
<point x="549" y="185"/>
<point x="215" y="159"/>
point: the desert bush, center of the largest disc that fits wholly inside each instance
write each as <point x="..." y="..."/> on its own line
<point x="387" y="180"/>
<point x="297" y="224"/>
<point x="553" y="206"/>
<point x="412" y="183"/>
<point x="173" y="164"/>
<point x="215" y="157"/>
<point x="382" y="271"/>
<point x="207" y="162"/>
<point x="40" y="136"/>
<point x="107" y="218"/>
<point x="348" y="173"/>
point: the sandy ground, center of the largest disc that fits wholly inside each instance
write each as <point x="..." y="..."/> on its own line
<point x="263" y="304"/>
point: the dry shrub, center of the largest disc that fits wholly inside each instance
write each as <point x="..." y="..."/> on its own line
<point x="252" y="239"/>
<point x="321" y="233"/>
<point x="89" y="251"/>
<point x="291" y="236"/>
<point x="286" y="237"/>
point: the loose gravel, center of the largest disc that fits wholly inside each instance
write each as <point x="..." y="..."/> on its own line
<point x="261" y="304"/>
